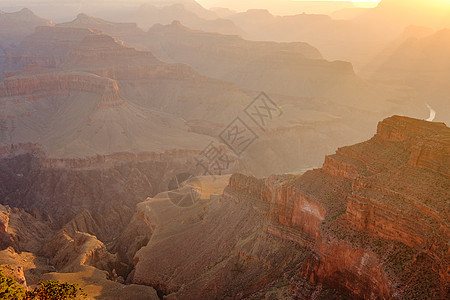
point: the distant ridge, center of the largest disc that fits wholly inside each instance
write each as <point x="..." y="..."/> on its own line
<point x="16" y="25"/>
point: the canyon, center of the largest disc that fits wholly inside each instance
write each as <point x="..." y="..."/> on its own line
<point x="367" y="224"/>
<point x="119" y="168"/>
<point x="80" y="92"/>
<point x="43" y="237"/>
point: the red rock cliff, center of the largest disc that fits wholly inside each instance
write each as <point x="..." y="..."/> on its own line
<point x="375" y="215"/>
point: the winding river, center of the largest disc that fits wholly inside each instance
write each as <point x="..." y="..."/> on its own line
<point x="432" y="114"/>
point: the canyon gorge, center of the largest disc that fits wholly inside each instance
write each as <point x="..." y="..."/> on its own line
<point x="123" y="167"/>
<point x="362" y="226"/>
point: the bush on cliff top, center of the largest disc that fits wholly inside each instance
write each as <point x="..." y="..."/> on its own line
<point x="48" y="290"/>
<point x="10" y="289"/>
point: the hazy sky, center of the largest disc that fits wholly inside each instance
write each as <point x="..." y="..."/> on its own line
<point x="289" y="6"/>
<point x="226" y="3"/>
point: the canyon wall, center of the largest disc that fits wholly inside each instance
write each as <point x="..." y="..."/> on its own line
<point x="374" y="214"/>
<point x="372" y="223"/>
<point x="109" y="186"/>
<point x="14" y="86"/>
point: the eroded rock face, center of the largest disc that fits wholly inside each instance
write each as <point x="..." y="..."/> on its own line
<point x="70" y="250"/>
<point x="372" y="223"/>
<point x="22" y="230"/>
<point x="214" y="249"/>
<point x="394" y="188"/>
<point x="97" y="194"/>
<point x="88" y="93"/>
<point x="14" y="26"/>
<point x="47" y="46"/>
<point x="80" y="92"/>
<point x="53" y="82"/>
<point x="66" y="213"/>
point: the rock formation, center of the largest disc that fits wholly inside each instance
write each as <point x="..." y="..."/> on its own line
<point x="120" y="30"/>
<point x="249" y="64"/>
<point x="190" y="13"/>
<point x="13" y="28"/>
<point x="16" y="25"/>
<point x="333" y="37"/>
<point x="61" y="216"/>
<point x="319" y="99"/>
<point x="371" y="223"/>
<point x="100" y="88"/>
<point x="100" y="192"/>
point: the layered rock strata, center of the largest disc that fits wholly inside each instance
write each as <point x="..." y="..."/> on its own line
<point x="371" y="223"/>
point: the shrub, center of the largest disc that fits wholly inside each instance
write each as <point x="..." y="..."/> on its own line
<point x="10" y="289"/>
<point x="48" y="290"/>
<point x="55" y="290"/>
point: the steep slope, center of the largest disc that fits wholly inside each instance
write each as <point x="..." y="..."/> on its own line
<point x="178" y="43"/>
<point x="129" y="32"/>
<point x="251" y="65"/>
<point x="74" y="259"/>
<point x="295" y="70"/>
<point x="84" y="21"/>
<point x="98" y="90"/>
<point x="16" y="25"/>
<point x="149" y="14"/>
<point x="45" y="47"/>
<point x="371" y="223"/>
<point x="79" y="114"/>
<point x="336" y="39"/>
<point x="106" y="97"/>
<point x="422" y="64"/>
<point x="420" y="60"/>
<point x="410" y="32"/>
<point x="96" y="194"/>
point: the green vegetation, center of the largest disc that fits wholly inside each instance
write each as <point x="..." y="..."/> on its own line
<point x="48" y="290"/>
<point x="53" y="289"/>
<point x="10" y="289"/>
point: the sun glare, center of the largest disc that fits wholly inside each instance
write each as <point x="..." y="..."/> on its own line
<point x="441" y="3"/>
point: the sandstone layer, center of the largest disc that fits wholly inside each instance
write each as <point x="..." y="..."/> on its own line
<point x="371" y="223"/>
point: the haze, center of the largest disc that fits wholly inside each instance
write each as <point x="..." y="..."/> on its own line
<point x="224" y="149"/>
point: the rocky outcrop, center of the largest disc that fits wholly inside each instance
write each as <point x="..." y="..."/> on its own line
<point x="109" y="57"/>
<point x="14" y="86"/>
<point x="16" y="25"/>
<point x="250" y="64"/>
<point x="432" y="155"/>
<point x="211" y="250"/>
<point x="56" y="227"/>
<point x="392" y="188"/>
<point x="13" y="271"/>
<point x="94" y="116"/>
<point x="109" y="186"/>
<point x="4" y="219"/>
<point x="47" y="47"/>
<point x="115" y="29"/>
<point x="89" y="50"/>
<point x="369" y="224"/>
<point x="22" y="230"/>
<point x="104" y="46"/>
<point x="69" y="251"/>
